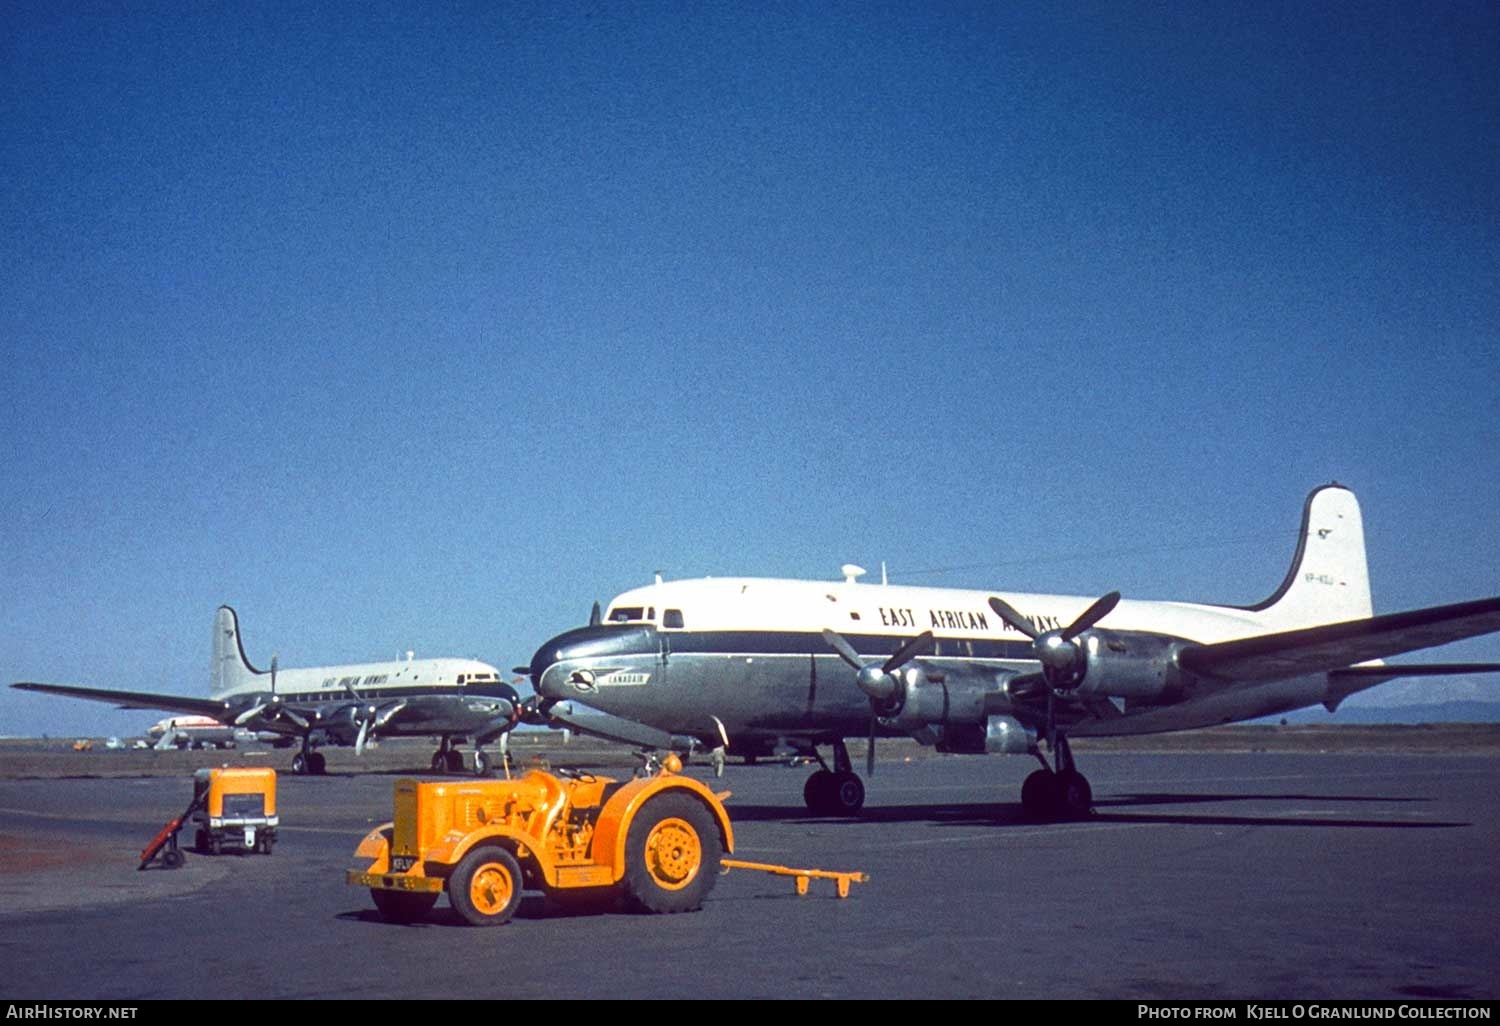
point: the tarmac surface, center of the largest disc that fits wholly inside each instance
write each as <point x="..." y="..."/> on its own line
<point x="1233" y="876"/>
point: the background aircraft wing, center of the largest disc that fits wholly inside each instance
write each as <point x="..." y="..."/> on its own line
<point x="134" y="699"/>
<point x="1338" y="646"/>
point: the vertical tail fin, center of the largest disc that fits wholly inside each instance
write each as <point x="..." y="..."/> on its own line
<point x="1328" y="581"/>
<point x="231" y="671"/>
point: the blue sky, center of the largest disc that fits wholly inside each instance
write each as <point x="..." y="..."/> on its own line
<point x="425" y="325"/>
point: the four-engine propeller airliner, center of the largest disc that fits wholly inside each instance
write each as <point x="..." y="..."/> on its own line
<point x="757" y="666"/>
<point x="452" y="699"/>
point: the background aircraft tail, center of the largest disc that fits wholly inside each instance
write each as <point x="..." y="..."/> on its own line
<point x="231" y="671"/>
<point x="1329" y="581"/>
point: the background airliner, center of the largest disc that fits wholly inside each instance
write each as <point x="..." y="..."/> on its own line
<point x="452" y="699"/>
<point x="759" y="666"/>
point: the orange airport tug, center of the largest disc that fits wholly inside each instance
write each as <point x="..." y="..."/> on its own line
<point x="657" y="841"/>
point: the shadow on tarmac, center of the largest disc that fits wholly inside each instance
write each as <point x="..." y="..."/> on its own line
<point x="1112" y="809"/>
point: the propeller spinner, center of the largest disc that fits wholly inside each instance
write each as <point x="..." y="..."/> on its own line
<point x="1063" y="661"/>
<point x="879" y="681"/>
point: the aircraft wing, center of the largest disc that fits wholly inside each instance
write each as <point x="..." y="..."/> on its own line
<point x="1338" y="647"/>
<point x="134" y="699"/>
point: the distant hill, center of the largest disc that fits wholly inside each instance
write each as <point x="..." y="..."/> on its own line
<point x="1431" y="712"/>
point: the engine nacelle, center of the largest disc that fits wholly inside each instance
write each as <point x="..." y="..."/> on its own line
<point x="997" y="735"/>
<point x="921" y="700"/>
<point x="1133" y="665"/>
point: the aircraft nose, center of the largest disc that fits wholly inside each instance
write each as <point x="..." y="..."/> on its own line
<point x="603" y="643"/>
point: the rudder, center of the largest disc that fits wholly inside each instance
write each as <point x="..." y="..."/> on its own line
<point x="1329" y="581"/>
<point x="231" y="671"/>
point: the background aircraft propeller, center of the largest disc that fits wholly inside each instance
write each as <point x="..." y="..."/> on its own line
<point x="1063" y="662"/>
<point x="877" y="681"/>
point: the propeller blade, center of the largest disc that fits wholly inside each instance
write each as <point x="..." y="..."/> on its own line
<point x="1092" y="615"/>
<point x="595" y="616"/>
<point x="364" y="732"/>
<point x="249" y="714"/>
<point x="915" y="647"/>
<point x="841" y="645"/>
<point x="870" y="750"/>
<point x="388" y="713"/>
<point x="1007" y="613"/>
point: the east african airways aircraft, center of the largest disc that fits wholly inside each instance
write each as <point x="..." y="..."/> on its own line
<point x="758" y="666"/>
<point x="343" y="705"/>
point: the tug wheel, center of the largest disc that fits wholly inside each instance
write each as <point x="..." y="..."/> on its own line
<point x="672" y="855"/>
<point x="485" y="888"/>
<point x="402" y="906"/>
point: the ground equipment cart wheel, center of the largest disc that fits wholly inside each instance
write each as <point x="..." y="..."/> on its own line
<point x="672" y="854"/>
<point x="485" y="887"/>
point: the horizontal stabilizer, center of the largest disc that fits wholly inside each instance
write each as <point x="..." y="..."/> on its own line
<point x="1417" y="670"/>
<point x="1339" y="646"/>
<point x="133" y="699"/>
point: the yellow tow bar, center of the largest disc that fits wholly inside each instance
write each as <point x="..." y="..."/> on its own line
<point x="802" y="875"/>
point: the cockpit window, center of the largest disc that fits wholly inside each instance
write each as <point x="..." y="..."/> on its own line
<point x="672" y="618"/>
<point x="626" y="614"/>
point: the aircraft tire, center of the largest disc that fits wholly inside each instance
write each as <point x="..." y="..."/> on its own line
<point x="1073" y="795"/>
<point x="455" y="761"/>
<point x="485" y="887"/>
<point x="172" y="858"/>
<point x="439" y="762"/>
<point x="1038" y="795"/>
<point x="815" y="792"/>
<point x="299" y="764"/>
<point x="316" y="764"/>
<point x="672" y="855"/>
<point x="481" y="763"/>
<point x="402" y="906"/>
<point x="845" y="794"/>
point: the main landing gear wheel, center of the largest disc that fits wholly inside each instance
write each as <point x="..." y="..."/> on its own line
<point x="485" y="888"/>
<point x="672" y="855"/>
<point x="830" y="793"/>
<point x="1067" y="795"/>
<point x="481" y="763"/>
<point x="311" y="763"/>
<point x="402" y="906"/>
<point x="1073" y="795"/>
<point x="1036" y="795"/>
<point x="455" y="761"/>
